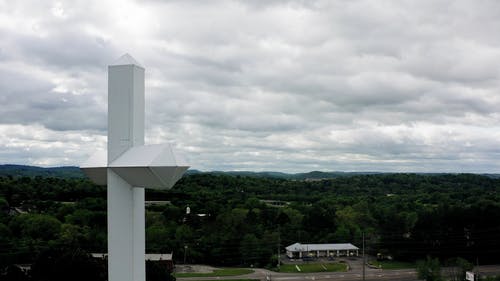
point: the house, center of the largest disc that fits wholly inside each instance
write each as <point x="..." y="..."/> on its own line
<point x="299" y="250"/>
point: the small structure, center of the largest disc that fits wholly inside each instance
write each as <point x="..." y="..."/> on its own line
<point x="164" y="259"/>
<point x="298" y="251"/>
<point x="275" y="203"/>
<point x="158" y="203"/>
<point x="102" y="256"/>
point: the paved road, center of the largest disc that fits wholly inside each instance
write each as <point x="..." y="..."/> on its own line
<point x="354" y="274"/>
<point x="406" y="275"/>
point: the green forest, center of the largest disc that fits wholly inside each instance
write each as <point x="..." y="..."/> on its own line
<point x="241" y="220"/>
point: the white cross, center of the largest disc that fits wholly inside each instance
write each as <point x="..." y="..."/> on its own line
<point x="128" y="167"/>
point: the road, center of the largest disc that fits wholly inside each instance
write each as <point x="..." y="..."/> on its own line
<point x="353" y="274"/>
<point x="261" y="274"/>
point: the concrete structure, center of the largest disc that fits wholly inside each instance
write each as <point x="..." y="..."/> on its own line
<point x="127" y="168"/>
<point x="298" y="251"/>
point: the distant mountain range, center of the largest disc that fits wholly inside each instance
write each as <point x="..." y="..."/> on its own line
<point x="75" y="172"/>
<point x="314" y="175"/>
<point x="33" y="171"/>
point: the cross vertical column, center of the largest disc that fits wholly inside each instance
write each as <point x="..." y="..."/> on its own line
<point x="128" y="168"/>
<point x="126" y="215"/>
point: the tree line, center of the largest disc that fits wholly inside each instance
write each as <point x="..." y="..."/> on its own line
<point x="405" y="216"/>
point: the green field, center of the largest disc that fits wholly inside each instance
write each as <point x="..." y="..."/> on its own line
<point x="313" y="267"/>
<point x="392" y="264"/>
<point x="216" y="273"/>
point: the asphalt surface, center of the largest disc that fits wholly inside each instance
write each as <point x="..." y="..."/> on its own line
<point x="355" y="273"/>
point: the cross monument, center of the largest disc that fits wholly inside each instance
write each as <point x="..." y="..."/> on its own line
<point x="127" y="168"/>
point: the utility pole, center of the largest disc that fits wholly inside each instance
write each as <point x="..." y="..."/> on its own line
<point x="364" y="259"/>
<point x="185" y="250"/>
<point x="279" y="242"/>
<point x="307" y="248"/>
<point x="476" y="275"/>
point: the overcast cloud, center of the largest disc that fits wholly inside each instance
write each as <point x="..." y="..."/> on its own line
<point x="293" y="86"/>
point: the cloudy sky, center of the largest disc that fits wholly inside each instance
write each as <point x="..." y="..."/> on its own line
<point x="292" y="86"/>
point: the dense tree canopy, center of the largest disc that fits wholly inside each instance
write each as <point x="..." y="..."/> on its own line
<point x="233" y="219"/>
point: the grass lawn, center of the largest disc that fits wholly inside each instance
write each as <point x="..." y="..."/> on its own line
<point x="392" y="264"/>
<point x="313" y="267"/>
<point x="216" y="272"/>
<point x="235" y="280"/>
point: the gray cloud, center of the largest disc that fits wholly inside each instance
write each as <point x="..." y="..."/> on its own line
<point x="34" y="100"/>
<point x="260" y="85"/>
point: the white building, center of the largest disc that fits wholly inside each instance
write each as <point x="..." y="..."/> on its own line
<point x="298" y="251"/>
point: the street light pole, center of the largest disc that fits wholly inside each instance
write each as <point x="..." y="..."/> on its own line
<point x="279" y="241"/>
<point x="364" y="259"/>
